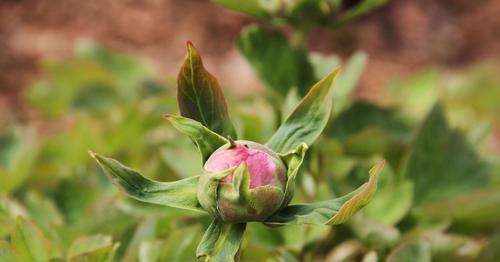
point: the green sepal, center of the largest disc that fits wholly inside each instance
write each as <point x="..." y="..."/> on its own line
<point x="293" y="161"/>
<point x="205" y="139"/>
<point x="178" y="194"/>
<point x="308" y="119"/>
<point x="241" y="183"/>
<point x="221" y="241"/>
<point x="208" y="188"/>
<point x="237" y="203"/>
<point x="329" y="212"/>
<point x="200" y="97"/>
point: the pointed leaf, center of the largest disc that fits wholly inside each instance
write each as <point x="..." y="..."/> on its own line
<point x="178" y="194"/>
<point x="293" y="161"/>
<point x="221" y="241"/>
<point x="330" y="212"/>
<point x="28" y="242"/>
<point x="278" y="64"/>
<point x="209" y="187"/>
<point x="442" y="164"/>
<point x="308" y="119"/>
<point x="206" y="140"/>
<point x="200" y="97"/>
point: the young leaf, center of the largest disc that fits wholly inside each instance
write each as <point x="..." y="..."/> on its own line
<point x="293" y="161"/>
<point x="221" y="241"/>
<point x="308" y="119"/>
<point x="200" y="97"/>
<point x="329" y="212"/>
<point x="28" y="242"/>
<point x="279" y="65"/>
<point x="178" y="194"/>
<point x="206" y="140"/>
<point x="442" y="164"/>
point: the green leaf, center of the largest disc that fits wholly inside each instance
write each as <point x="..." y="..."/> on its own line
<point x="391" y="203"/>
<point x="413" y="251"/>
<point x="18" y="153"/>
<point x="472" y="210"/>
<point x="308" y="119"/>
<point x="208" y="189"/>
<point x="28" y="242"/>
<point x="293" y="161"/>
<point x="247" y="7"/>
<point x="206" y="140"/>
<point x="322" y="64"/>
<point x="329" y="212"/>
<point x="102" y="254"/>
<point x="200" y="97"/>
<point x="221" y="241"/>
<point x="362" y="115"/>
<point x="279" y="65"/>
<point x="178" y="246"/>
<point x="442" y="165"/>
<point x="178" y="194"/>
<point x="348" y="80"/>
<point x="88" y="244"/>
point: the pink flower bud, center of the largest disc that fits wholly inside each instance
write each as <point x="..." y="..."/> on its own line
<point x="263" y="165"/>
<point x="267" y="181"/>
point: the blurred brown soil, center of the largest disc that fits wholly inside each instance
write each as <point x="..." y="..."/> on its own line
<point x="400" y="38"/>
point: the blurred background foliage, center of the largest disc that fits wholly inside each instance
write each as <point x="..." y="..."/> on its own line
<point x="439" y="129"/>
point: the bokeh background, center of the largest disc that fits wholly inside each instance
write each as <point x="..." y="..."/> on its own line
<point x="422" y="89"/>
<point x="401" y="37"/>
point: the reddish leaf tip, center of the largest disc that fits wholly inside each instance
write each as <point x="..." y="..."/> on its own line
<point x="189" y="45"/>
<point x="167" y="116"/>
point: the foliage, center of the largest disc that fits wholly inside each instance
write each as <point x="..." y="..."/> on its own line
<point x="437" y="197"/>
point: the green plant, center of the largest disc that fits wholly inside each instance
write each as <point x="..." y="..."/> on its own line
<point x="226" y="193"/>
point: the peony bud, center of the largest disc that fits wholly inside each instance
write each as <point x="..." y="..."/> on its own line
<point x="265" y="191"/>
